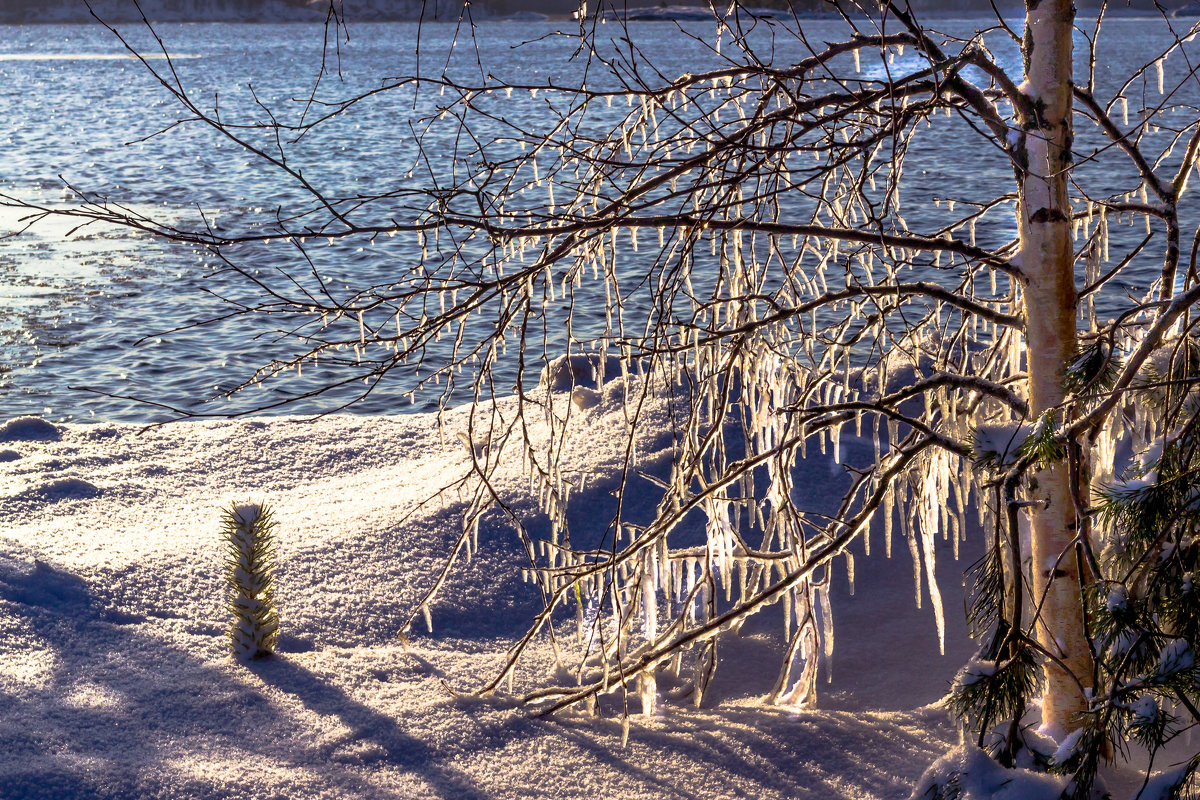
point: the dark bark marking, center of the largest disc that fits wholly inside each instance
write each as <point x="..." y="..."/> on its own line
<point x="1047" y="215"/>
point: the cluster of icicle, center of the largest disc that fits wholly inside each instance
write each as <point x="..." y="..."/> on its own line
<point x="790" y="389"/>
<point x="645" y="594"/>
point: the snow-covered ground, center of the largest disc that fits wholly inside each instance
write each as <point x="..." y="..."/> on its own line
<point x="116" y="681"/>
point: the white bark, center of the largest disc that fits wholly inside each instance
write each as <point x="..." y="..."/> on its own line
<point x="1049" y="293"/>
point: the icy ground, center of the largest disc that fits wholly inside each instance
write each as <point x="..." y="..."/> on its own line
<point x="115" y="679"/>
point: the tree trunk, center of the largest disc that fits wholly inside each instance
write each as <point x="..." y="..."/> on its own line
<point x="1048" y="262"/>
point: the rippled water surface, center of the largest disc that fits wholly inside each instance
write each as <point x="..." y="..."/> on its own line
<point x="93" y="307"/>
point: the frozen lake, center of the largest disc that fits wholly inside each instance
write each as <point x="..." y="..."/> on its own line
<point x="91" y="307"/>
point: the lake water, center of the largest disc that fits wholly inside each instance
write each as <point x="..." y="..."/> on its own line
<point x="91" y="308"/>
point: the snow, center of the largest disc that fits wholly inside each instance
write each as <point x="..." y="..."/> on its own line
<point x="57" y="489"/>
<point x="1145" y="710"/>
<point x="1160" y="786"/>
<point x="117" y="678"/>
<point x="118" y="681"/>
<point x="1176" y="657"/>
<point x="247" y="513"/>
<point x="583" y="370"/>
<point x="1000" y="443"/>
<point x="28" y="429"/>
<point x="1067" y="747"/>
<point x="974" y="671"/>
<point x="1118" y="599"/>
<point x="978" y="777"/>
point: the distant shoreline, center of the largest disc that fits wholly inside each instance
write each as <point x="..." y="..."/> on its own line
<point x="303" y="18"/>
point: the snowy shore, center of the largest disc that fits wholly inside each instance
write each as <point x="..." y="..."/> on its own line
<point x="117" y="681"/>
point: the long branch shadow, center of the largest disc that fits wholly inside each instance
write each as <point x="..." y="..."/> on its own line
<point x="366" y="726"/>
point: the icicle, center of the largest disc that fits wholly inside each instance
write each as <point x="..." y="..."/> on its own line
<point x="960" y="513"/>
<point x="822" y="596"/>
<point x="889" y="502"/>
<point x="649" y="691"/>
<point x="787" y="614"/>
<point x="935" y="594"/>
<point x="914" y="551"/>
<point x="649" y="607"/>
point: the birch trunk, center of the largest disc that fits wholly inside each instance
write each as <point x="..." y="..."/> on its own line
<point x="1044" y="160"/>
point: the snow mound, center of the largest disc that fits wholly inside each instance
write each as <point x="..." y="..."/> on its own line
<point x="8" y="455"/>
<point x="65" y="489"/>
<point x="584" y="398"/>
<point x="975" y="776"/>
<point x="567" y="372"/>
<point x="29" y="429"/>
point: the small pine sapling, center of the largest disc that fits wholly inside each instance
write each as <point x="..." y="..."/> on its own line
<point x="249" y="533"/>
